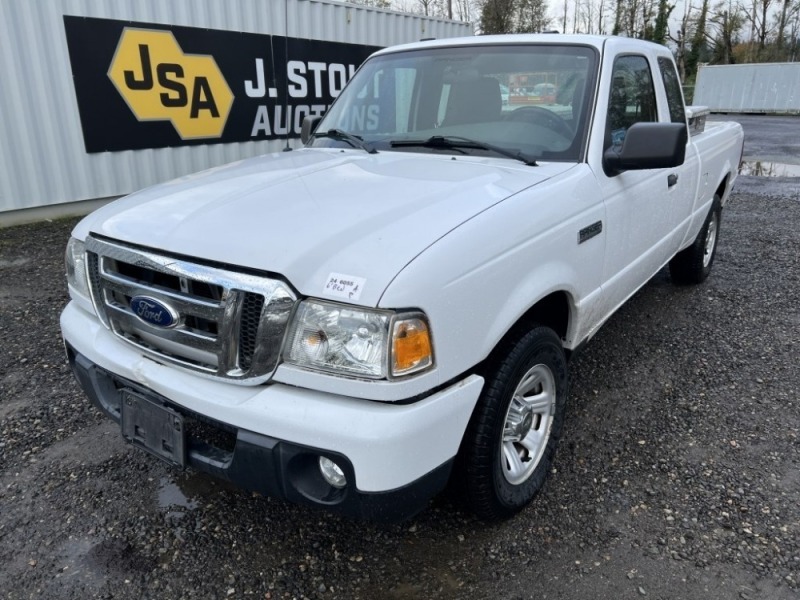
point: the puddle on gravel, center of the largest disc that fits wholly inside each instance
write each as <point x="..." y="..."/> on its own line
<point x="17" y="262"/>
<point x="188" y="490"/>
<point x="762" y="168"/>
<point x="170" y="495"/>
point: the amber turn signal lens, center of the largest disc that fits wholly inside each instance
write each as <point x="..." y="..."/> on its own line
<point x="411" y="346"/>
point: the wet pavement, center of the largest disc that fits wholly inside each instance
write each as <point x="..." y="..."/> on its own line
<point x="768" y="138"/>
<point x="759" y="168"/>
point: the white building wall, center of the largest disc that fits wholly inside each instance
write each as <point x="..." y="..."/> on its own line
<point x="43" y="160"/>
<point x="758" y="88"/>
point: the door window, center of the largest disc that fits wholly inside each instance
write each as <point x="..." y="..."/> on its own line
<point x="632" y="99"/>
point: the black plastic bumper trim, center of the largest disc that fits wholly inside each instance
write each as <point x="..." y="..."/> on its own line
<point x="267" y="465"/>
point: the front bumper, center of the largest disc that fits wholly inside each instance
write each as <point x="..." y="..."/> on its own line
<point x="269" y="438"/>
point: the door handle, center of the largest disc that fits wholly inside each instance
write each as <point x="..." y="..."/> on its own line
<point x="672" y="179"/>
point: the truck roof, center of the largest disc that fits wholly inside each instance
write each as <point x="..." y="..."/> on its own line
<point x="596" y="41"/>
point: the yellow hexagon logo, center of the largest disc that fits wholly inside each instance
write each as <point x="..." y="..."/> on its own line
<point x="161" y="83"/>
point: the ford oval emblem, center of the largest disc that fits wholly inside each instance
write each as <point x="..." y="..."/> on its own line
<point x="154" y="312"/>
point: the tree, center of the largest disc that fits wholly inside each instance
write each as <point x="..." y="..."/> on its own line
<point x="619" y="16"/>
<point x="661" y="28"/>
<point x="375" y="3"/>
<point x="601" y="18"/>
<point x="531" y="16"/>
<point x="680" y="42"/>
<point x="727" y="20"/>
<point x="788" y="10"/>
<point x="632" y="14"/>
<point x="427" y="7"/>
<point x="759" y="19"/>
<point x="640" y="18"/>
<point x="520" y="16"/>
<point x="698" y="51"/>
<point x="497" y="16"/>
<point x="463" y="10"/>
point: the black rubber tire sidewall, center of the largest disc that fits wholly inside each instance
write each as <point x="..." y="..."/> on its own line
<point x="490" y="495"/>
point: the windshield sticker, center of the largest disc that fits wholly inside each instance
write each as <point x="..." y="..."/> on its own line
<point x="344" y="286"/>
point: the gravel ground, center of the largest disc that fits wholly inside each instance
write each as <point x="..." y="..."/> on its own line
<point x="678" y="475"/>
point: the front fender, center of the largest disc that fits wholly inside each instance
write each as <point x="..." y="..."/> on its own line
<point x="479" y="280"/>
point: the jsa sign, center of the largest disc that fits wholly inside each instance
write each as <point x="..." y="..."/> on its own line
<point x="142" y="85"/>
<point x="160" y="82"/>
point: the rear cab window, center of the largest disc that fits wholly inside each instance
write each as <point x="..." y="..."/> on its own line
<point x="672" y="86"/>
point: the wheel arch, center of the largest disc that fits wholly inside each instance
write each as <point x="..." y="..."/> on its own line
<point x="554" y="310"/>
<point x="724" y="187"/>
<point x="722" y="157"/>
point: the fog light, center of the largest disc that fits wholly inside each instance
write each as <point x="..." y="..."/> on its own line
<point x="332" y="472"/>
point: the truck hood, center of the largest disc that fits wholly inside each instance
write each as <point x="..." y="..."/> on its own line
<point x="310" y="213"/>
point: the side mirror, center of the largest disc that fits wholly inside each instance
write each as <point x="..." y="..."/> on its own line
<point x="648" y="146"/>
<point x="308" y="127"/>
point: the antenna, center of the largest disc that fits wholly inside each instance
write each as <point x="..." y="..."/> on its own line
<point x="289" y="121"/>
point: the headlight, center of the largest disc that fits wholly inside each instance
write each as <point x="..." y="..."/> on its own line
<point x="76" y="266"/>
<point x="359" y="342"/>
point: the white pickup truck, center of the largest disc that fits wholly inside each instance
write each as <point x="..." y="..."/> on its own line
<point x="353" y="324"/>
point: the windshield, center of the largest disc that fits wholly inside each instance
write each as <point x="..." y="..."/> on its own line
<point x="530" y="100"/>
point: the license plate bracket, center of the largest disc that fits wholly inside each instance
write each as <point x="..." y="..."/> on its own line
<point x="153" y="427"/>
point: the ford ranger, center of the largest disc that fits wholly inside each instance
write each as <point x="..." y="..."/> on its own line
<point x="353" y="324"/>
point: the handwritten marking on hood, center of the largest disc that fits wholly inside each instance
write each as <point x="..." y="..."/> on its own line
<point x="348" y="287"/>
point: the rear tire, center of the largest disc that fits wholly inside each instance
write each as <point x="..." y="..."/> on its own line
<point x="511" y="439"/>
<point x="693" y="265"/>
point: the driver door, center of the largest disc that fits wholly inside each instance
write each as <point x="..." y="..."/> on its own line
<point x="637" y="202"/>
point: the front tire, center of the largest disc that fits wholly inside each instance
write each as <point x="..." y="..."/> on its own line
<point x="511" y="439"/>
<point x="693" y="264"/>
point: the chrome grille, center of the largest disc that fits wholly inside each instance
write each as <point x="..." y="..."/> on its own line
<point x="229" y="325"/>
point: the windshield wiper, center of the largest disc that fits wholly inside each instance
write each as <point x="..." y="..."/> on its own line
<point x="353" y="140"/>
<point x="457" y="142"/>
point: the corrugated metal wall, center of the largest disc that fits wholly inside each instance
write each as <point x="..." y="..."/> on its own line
<point x="42" y="156"/>
<point x="768" y="88"/>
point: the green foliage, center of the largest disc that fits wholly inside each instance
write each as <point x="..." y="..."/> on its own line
<point x="661" y="28"/>
<point x="531" y="16"/>
<point x="644" y="19"/>
<point x="699" y="50"/>
<point x="497" y="16"/>
<point x="619" y="14"/>
<point x="514" y="16"/>
<point x="750" y="52"/>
